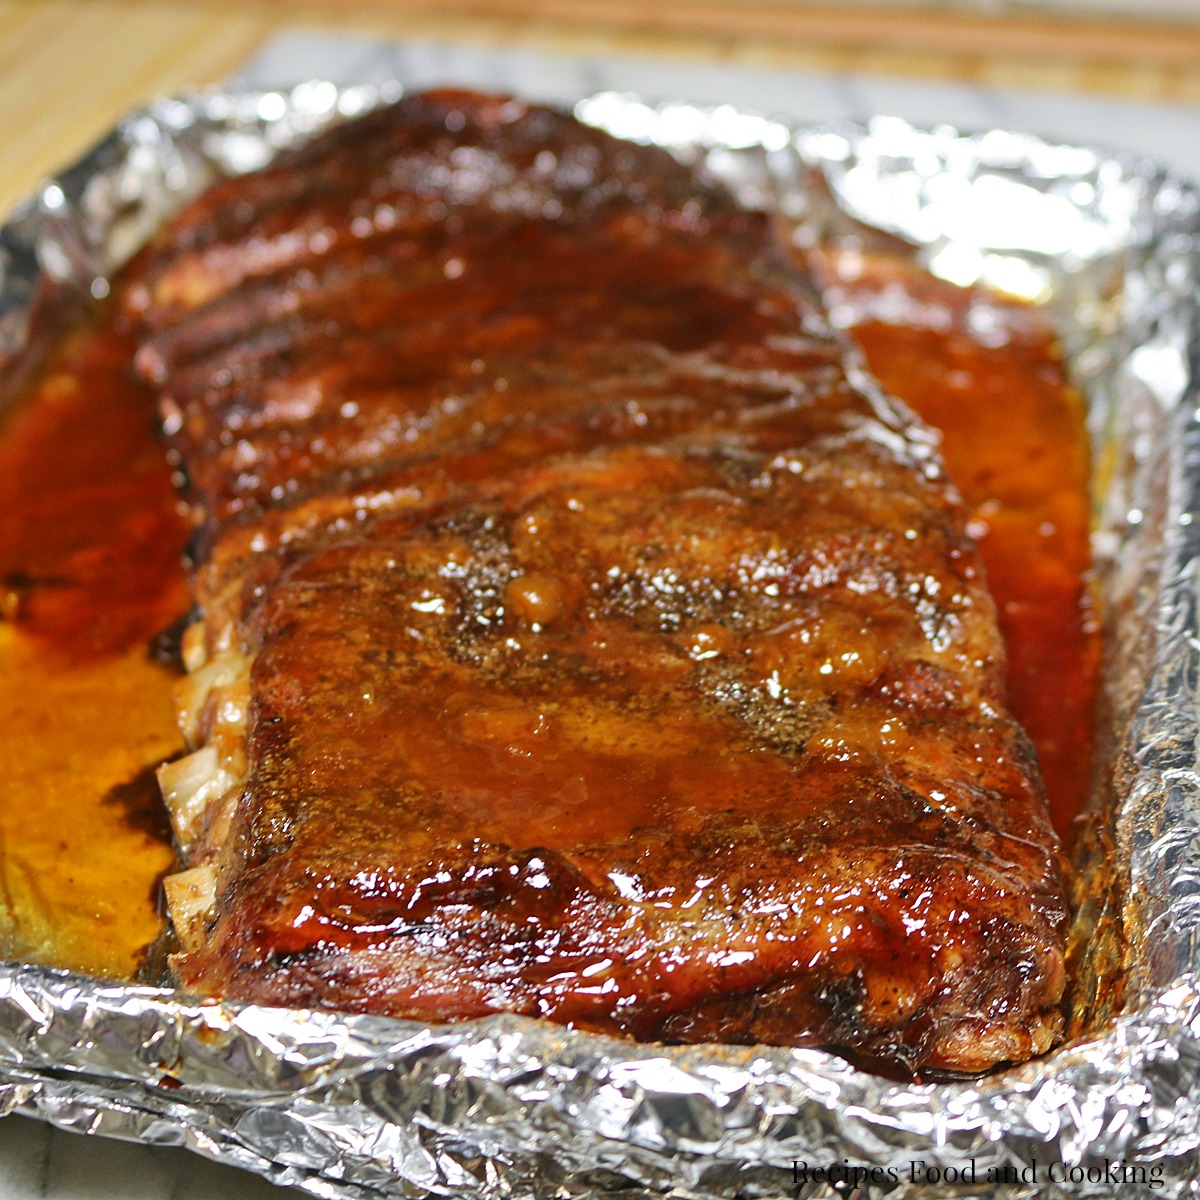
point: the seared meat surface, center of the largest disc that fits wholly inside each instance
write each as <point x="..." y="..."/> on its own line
<point x="583" y="633"/>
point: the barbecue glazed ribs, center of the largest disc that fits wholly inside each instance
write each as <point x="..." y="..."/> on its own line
<point x="583" y="634"/>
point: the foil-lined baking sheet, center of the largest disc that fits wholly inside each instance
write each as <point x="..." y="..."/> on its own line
<point x="363" y="1106"/>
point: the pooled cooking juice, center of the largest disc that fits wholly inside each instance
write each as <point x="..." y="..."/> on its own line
<point x="90" y="573"/>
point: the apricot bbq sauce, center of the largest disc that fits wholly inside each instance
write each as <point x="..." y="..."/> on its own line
<point x="91" y="573"/>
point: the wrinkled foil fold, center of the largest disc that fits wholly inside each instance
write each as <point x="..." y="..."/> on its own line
<point x="356" y="1106"/>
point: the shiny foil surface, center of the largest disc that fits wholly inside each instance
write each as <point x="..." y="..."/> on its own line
<point x="362" y="1106"/>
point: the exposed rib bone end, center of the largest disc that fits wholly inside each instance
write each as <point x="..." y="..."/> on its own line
<point x="191" y="902"/>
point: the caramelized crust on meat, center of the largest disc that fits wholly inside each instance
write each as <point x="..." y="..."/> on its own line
<point x="583" y="634"/>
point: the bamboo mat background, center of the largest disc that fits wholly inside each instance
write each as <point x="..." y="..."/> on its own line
<point x="68" y="68"/>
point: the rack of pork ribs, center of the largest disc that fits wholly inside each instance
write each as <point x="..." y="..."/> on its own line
<point x="582" y="632"/>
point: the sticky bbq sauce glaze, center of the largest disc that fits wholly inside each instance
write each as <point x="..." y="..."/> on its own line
<point x="91" y="574"/>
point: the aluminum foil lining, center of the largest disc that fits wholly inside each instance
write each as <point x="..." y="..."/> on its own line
<point x="362" y="1106"/>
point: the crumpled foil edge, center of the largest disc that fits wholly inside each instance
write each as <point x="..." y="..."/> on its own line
<point x="360" y="1106"/>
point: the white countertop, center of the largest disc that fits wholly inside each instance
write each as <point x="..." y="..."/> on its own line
<point x="38" y="1161"/>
